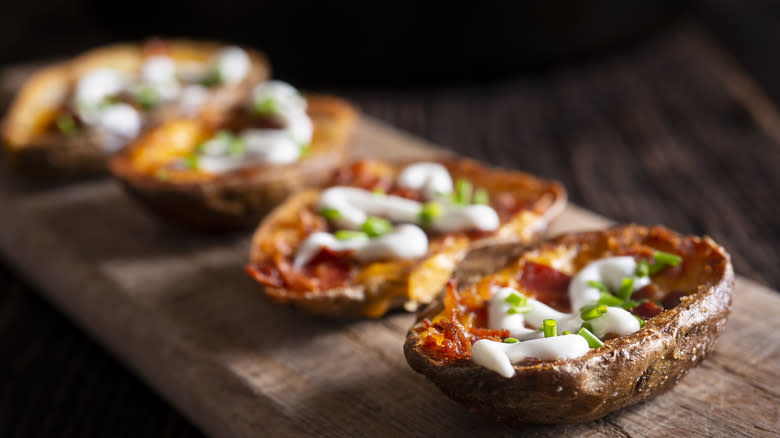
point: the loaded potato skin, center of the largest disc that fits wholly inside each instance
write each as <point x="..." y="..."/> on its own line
<point x="336" y="285"/>
<point x="623" y="371"/>
<point x="237" y="198"/>
<point x="46" y="134"/>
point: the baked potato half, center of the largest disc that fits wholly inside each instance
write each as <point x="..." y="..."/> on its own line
<point x="353" y="282"/>
<point x="230" y="199"/>
<point x="681" y="290"/>
<point x="69" y="117"/>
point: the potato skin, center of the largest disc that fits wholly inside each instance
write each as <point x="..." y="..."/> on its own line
<point x="51" y="156"/>
<point x="238" y="200"/>
<point x="624" y="371"/>
<point x="379" y="297"/>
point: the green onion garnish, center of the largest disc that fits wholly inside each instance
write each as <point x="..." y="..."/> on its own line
<point x="510" y="340"/>
<point x="349" y="234"/>
<point x="626" y="288"/>
<point x="630" y="304"/>
<point x="428" y="213"/>
<point x="515" y="300"/>
<point x="376" y="226"/>
<point x="586" y="325"/>
<point x="379" y="192"/>
<point x="593" y="341"/>
<point x="549" y="327"/>
<point x="329" y="213"/>
<point x="236" y="147"/>
<point x="667" y="258"/>
<point x="642" y="268"/>
<point x="66" y="124"/>
<point x="481" y="197"/>
<point x="264" y="107"/>
<point x="463" y="190"/>
<point x="609" y="299"/>
<point x="305" y="150"/>
<point x="593" y="311"/>
<point x="191" y="161"/>
<point x="598" y="285"/>
<point x="662" y="260"/>
<point x="641" y="321"/>
<point x="520" y="309"/>
<point x="147" y="97"/>
<point x="212" y="78"/>
<point x="565" y="332"/>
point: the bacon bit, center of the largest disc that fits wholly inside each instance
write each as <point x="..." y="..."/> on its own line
<point x="293" y="278"/>
<point x="364" y="174"/>
<point x="330" y="268"/>
<point x="546" y="284"/>
<point x="647" y="310"/>
<point x="405" y="192"/>
<point x="672" y="299"/>
<point x="155" y="46"/>
<point x="456" y="342"/>
<point x="483" y="333"/>
<point x="507" y="205"/>
<point x="264" y="274"/>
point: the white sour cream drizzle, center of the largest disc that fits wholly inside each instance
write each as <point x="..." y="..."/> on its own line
<point x="355" y="205"/>
<point x="120" y="122"/>
<point x="498" y="356"/>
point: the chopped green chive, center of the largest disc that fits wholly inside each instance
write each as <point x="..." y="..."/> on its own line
<point x="428" y="213"/>
<point x="329" y="213"/>
<point x="609" y="299"/>
<point x="598" y="285"/>
<point x="379" y="192"/>
<point x="515" y="300"/>
<point x="626" y="288"/>
<point x="481" y="197"/>
<point x="305" y="150"/>
<point x="593" y="341"/>
<point x="630" y="304"/>
<point x="463" y="190"/>
<point x="642" y="268"/>
<point x="586" y="325"/>
<point x="518" y="303"/>
<point x="376" y="226"/>
<point x="662" y="260"/>
<point x="549" y="327"/>
<point x="212" y="78"/>
<point x="191" y="161"/>
<point x="510" y="340"/>
<point x="349" y="234"/>
<point x="236" y="147"/>
<point x="147" y="97"/>
<point x="66" y="124"/>
<point x="593" y="311"/>
<point x="264" y="107"/>
<point x="565" y="332"/>
<point x="641" y="321"/>
<point x="667" y="258"/>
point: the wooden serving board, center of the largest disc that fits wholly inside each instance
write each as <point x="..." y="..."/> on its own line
<point x="178" y="309"/>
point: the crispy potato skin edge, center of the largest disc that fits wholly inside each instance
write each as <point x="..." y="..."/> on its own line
<point x="623" y="372"/>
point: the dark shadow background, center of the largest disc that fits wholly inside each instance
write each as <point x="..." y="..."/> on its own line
<point x="352" y="43"/>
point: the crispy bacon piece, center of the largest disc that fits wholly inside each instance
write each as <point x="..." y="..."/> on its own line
<point x="264" y="274"/>
<point x="330" y="268"/>
<point x="546" y="284"/>
<point x="647" y="310"/>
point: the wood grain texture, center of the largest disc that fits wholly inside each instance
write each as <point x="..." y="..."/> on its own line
<point x="176" y="308"/>
<point x="689" y="151"/>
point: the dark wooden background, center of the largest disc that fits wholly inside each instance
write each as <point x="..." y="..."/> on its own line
<point x="647" y="133"/>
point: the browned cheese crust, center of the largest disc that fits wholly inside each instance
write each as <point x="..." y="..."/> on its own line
<point x="37" y="152"/>
<point x="374" y="289"/>
<point x="236" y="199"/>
<point x="624" y="371"/>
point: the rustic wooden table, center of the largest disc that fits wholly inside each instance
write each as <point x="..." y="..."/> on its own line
<point x="647" y="136"/>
